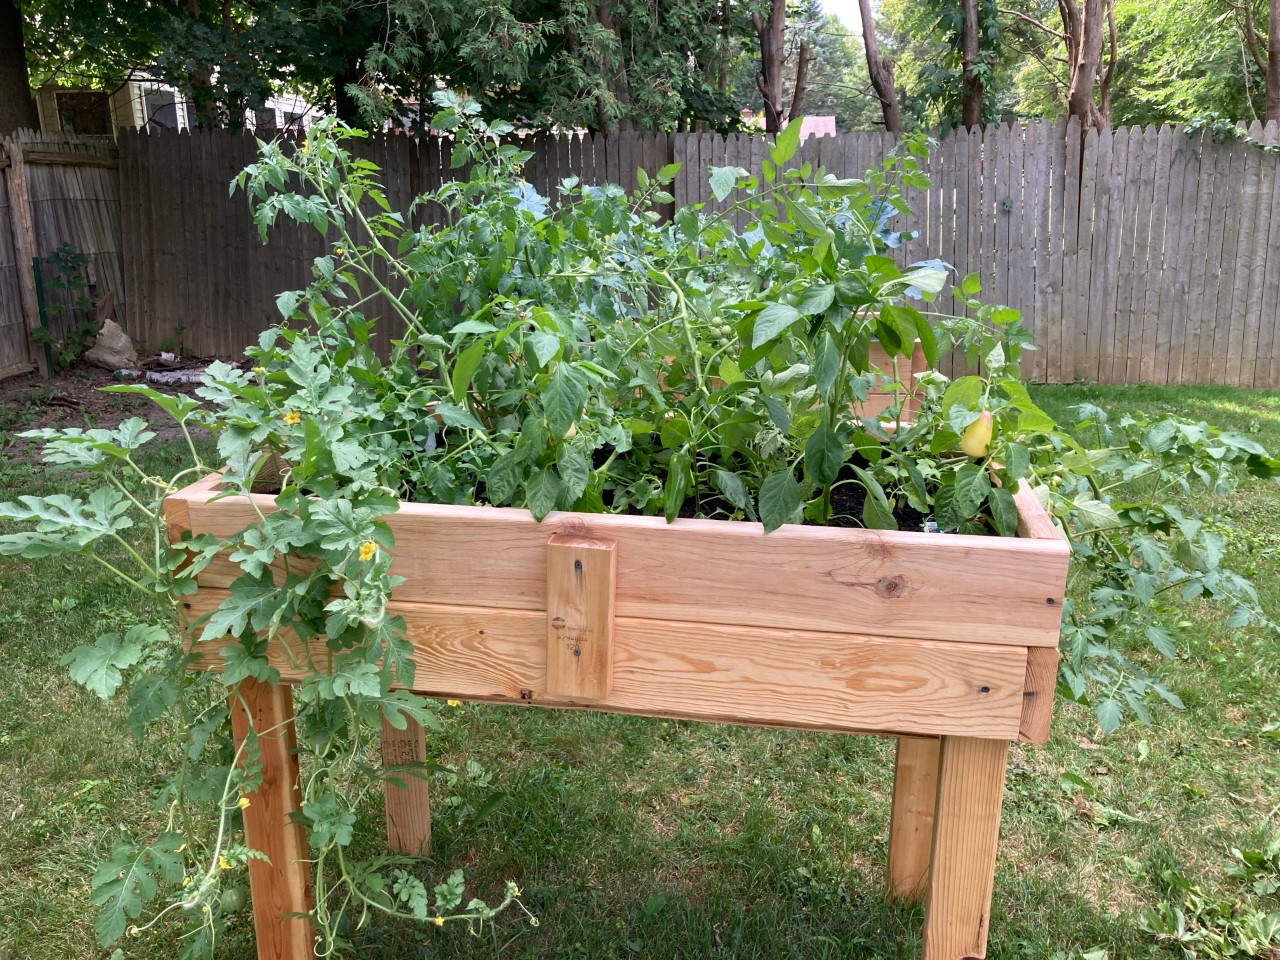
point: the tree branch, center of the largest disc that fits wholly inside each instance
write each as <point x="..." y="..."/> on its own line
<point x="1034" y="22"/>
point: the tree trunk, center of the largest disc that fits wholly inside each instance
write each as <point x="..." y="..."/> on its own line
<point x="344" y="104"/>
<point x="1084" y="28"/>
<point x="971" y="89"/>
<point x="17" y="109"/>
<point x="1273" y="63"/>
<point x="802" y="81"/>
<point x="772" y="61"/>
<point x="615" y="80"/>
<point x="880" y="71"/>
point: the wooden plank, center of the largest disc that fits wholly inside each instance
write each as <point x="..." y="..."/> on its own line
<point x="581" y="579"/>
<point x="1095" y="323"/>
<point x="1022" y="277"/>
<point x="22" y="224"/>
<point x="699" y="671"/>
<point x="1254" y="318"/>
<point x="1040" y="293"/>
<point x="1139" y="277"/>
<point x="1239" y="271"/>
<point x="280" y="884"/>
<point x="105" y="161"/>
<point x="915" y="794"/>
<point x="680" y="155"/>
<point x="1123" y="256"/>
<point x="1003" y="207"/>
<point x="1178" y="223"/>
<point x="889" y="582"/>
<point x="405" y="790"/>
<point x="1267" y="372"/>
<point x="1066" y="358"/>
<point x="1222" y="254"/>
<point x="965" y="836"/>
<point x="1154" y="347"/>
<point x="1198" y="280"/>
<point x="1053" y="268"/>
<point x="1107" y="347"/>
<point x="943" y="172"/>
<point x="1037" y="694"/>
<point x="1090" y="183"/>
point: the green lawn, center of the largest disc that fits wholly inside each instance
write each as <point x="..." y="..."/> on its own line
<point x="646" y="838"/>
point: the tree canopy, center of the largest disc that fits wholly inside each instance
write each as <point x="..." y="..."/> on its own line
<point x="1146" y="61"/>
<point x="600" y="64"/>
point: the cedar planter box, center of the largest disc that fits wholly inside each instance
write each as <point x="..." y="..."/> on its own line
<point x="947" y="642"/>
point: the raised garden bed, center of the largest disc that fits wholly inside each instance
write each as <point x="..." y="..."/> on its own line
<point x="948" y="642"/>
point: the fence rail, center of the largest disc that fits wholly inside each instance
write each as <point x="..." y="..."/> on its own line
<point x="1140" y="254"/>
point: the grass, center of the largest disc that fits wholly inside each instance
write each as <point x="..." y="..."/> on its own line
<point x="634" y="837"/>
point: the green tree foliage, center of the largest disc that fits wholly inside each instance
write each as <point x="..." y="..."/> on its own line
<point x="1174" y="61"/>
<point x="601" y="64"/>
<point x="224" y="58"/>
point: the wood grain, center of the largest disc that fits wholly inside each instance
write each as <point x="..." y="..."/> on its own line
<point x="406" y="793"/>
<point x="281" y="884"/>
<point x="966" y="832"/>
<point x="915" y="795"/>
<point x="581" y="578"/>
<point x="886" y="583"/>
<point x="757" y="675"/>
<point x="1038" y="694"/>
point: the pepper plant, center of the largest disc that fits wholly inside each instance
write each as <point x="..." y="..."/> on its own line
<point x="577" y="352"/>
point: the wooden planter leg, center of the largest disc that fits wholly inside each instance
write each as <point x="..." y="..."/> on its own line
<point x="407" y="797"/>
<point x="281" y="884"/>
<point x="915" y="792"/>
<point x="966" y="832"/>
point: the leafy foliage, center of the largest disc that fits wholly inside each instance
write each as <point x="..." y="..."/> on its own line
<point x="1243" y="928"/>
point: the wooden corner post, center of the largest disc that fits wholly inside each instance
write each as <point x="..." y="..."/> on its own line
<point x="581" y="573"/>
<point x="915" y="793"/>
<point x="966" y="831"/>
<point x="408" y="799"/>
<point x="281" y="884"/>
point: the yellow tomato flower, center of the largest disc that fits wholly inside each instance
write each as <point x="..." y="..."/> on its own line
<point x="292" y="418"/>
<point x="223" y="862"/>
<point x="454" y="703"/>
<point x="306" y="148"/>
<point x="244" y="803"/>
<point x="186" y="881"/>
<point x="367" y="550"/>
<point x="259" y="370"/>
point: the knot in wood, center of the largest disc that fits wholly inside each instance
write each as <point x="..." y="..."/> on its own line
<point x="891" y="588"/>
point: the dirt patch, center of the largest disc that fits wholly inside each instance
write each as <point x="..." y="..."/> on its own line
<point x="74" y="398"/>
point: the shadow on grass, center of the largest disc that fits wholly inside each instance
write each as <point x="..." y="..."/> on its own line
<point x="644" y="838"/>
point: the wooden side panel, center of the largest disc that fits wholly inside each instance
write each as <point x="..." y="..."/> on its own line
<point x="281" y="884"/>
<point x="790" y="678"/>
<point x="915" y="794"/>
<point x="581" y="578"/>
<point x="886" y="583"/>
<point x="408" y="799"/>
<point x="966" y="832"/>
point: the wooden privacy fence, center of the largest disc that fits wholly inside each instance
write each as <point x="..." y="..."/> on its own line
<point x="54" y="189"/>
<point x="1141" y="254"/>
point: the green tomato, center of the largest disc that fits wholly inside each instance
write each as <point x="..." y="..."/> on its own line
<point x="233" y="899"/>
